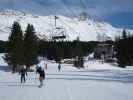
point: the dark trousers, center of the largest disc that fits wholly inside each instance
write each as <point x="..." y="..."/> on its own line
<point x="59" y="68"/>
<point x="23" y="79"/>
<point x="41" y="80"/>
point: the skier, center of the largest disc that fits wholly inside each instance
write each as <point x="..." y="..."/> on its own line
<point x="59" y="66"/>
<point x="41" y="77"/>
<point x="23" y="73"/>
<point x="103" y="57"/>
<point x="46" y="66"/>
<point x="41" y="73"/>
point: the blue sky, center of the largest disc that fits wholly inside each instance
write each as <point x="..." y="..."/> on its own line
<point x="117" y="12"/>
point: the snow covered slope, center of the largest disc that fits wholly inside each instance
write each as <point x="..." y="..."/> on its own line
<point x="88" y="30"/>
<point x="95" y="82"/>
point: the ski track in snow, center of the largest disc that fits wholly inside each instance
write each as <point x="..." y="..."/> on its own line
<point x="97" y="82"/>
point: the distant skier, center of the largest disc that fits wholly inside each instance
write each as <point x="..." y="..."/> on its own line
<point x="59" y="66"/>
<point x="103" y="57"/>
<point x="23" y="73"/>
<point x="46" y="66"/>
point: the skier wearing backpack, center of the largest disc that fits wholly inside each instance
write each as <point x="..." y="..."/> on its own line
<point x="41" y="77"/>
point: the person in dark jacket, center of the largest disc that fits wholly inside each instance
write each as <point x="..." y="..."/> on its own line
<point x="23" y="73"/>
<point x="59" y="67"/>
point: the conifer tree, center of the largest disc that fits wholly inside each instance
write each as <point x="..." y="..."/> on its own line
<point x="123" y="50"/>
<point x="30" y="47"/>
<point x="14" y="54"/>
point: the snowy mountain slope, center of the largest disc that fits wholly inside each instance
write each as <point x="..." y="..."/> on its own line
<point x="88" y="30"/>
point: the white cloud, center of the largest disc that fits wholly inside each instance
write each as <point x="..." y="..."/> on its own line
<point x="98" y="8"/>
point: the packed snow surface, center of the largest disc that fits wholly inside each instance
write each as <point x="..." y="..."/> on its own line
<point x="72" y="28"/>
<point x="96" y="82"/>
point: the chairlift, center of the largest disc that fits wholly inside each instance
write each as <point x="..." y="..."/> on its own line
<point x="58" y="28"/>
<point x="59" y="33"/>
<point x="58" y="37"/>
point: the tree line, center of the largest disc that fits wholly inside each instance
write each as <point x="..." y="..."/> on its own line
<point x="58" y="50"/>
<point x="24" y="48"/>
<point x="124" y="49"/>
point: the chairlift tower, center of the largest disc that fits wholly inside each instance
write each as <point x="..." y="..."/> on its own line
<point x="55" y="17"/>
<point x="58" y="33"/>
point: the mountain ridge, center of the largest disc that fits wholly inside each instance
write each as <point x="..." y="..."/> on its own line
<point x="86" y="30"/>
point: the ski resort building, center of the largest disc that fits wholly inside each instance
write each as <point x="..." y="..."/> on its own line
<point x="104" y="51"/>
